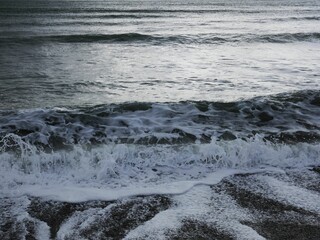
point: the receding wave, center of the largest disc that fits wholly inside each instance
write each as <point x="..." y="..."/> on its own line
<point x="165" y="39"/>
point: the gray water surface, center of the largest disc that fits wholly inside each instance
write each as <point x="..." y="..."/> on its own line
<point x="66" y="53"/>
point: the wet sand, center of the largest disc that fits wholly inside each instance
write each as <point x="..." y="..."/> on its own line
<point x="271" y="215"/>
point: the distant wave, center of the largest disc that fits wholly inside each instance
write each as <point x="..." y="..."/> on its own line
<point x="104" y="10"/>
<point x="285" y="37"/>
<point x="103" y="38"/>
<point x="125" y="37"/>
<point x="302" y="18"/>
<point x="165" y="39"/>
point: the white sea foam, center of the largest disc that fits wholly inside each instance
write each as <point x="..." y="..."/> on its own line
<point x="203" y="206"/>
<point x="14" y="212"/>
<point x="292" y="194"/>
<point x="119" y="170"/>
<point x="81" y="194"/>
<point x="99" y="146"/>
<point x="79" y="221"/>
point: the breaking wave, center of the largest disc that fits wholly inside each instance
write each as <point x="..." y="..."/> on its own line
<point x="118" y="144"/>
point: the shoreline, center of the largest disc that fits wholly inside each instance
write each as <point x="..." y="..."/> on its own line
<point x="238" y="205"/>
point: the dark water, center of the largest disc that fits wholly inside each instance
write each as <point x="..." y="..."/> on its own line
<point x="285" y="118"/>
<point x="101" y="100"/>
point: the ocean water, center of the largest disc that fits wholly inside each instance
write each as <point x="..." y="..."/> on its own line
<point x="101" y="100"/>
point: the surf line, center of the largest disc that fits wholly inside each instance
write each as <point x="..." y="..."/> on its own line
<point x="83" y="194"/>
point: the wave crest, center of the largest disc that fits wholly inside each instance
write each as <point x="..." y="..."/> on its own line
<point x="168" y="39"/>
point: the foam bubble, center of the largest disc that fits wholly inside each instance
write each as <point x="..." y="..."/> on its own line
<point x="131" y="169"/>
